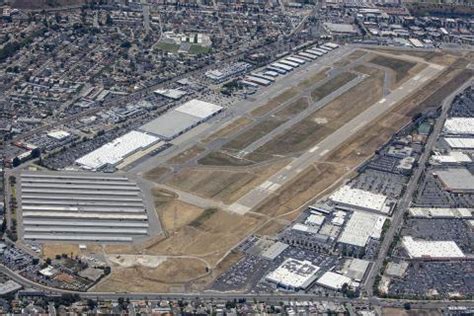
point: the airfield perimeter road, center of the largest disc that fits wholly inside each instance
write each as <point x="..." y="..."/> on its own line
<point x="259" y="194"/>
<point x="405" y="201"/>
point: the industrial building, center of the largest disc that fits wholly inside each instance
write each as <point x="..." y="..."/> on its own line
<point x="431" y="250"/>
<point x="459" y="126"/>
<point x="181" y="119"/>
<point x="334" y="281"/>
<point x="360" y="227"/>
<point x="174" y="94"/>
<point x="441" y="212"/>
<point x="459" y="143"/>
<point x="456" y="180"/>
<point x="293" y="274"/>
<point x="117" y="150"/>
<point x="81" y="207"/>
<point x="348" y="198"/>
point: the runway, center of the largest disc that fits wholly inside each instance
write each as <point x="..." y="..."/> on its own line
<point x="316" y="153"/>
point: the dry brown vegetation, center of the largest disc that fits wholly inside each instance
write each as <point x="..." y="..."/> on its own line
<point x="229" y="129"/>
<point x="336" y="113"/>
<point x="187" y="155"/>
<point x="226" y="185"/>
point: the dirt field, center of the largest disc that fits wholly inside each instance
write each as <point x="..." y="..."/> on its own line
<point x="414" y="312"/>
<point x="226" y="185"/>
<point x="173" y="272"/>
<point x="51" y="250"/>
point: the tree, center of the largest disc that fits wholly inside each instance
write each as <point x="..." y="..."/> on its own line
<point x="16" y="162"/>
<point x="407" y="306"/>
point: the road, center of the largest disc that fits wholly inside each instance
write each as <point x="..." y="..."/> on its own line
<point x="404" y="203"/>
<point x="256" y="196"/>
<point x="223" y="297"/>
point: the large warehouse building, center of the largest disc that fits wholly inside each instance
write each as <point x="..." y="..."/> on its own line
<point x="293" y="274"/>
<point x="431" y="249"/>
<point x="360" y="228"/>
<point x="181" y="119"/>
<point x="348" y="198"/>
<point x="81" y="207"/>
<point x="117" y="150"/>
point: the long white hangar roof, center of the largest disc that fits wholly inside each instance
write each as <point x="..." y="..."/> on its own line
<point x="181" y="119"/>
<point x="118" y="149"/>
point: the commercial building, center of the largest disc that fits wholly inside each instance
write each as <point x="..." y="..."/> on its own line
<point x="334" y="281"/>
<point x="81" y="207"/>
<point x="431" y="250"/>
<point x="339" y="28"/>
<point x="58" y="134"/>
<point x="294" y="274"/>
<point x="117" y="150"/>
<point x="348" y="198"/>
<point x="360" y="227"/>
<point x="181" y="119"/>
<point x="456" y="180"/>
<point x="460" y="143"/>
<point x="459" y="126"/>
<point x="441" y="212"/>
<point x="174" y="94"/>
<point x="451" y="158"/>
<point x="355" y="268"/>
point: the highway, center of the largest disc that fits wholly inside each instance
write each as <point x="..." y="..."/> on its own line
<point x="256" y="196"/>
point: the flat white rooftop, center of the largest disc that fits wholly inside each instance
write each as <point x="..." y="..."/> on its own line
<point x="114" y="152"/>
<point x="441" y="212"/>
<point x="360" y="227"/>
<point x="199" y="108"/>
<point x="459" y="126"/>
<point x="293" y="273"/>
<point x="460" y="143"/>
<point x="360" y="199"/>
<point x="428" y="249"/>
<point x="333" y="280"/>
